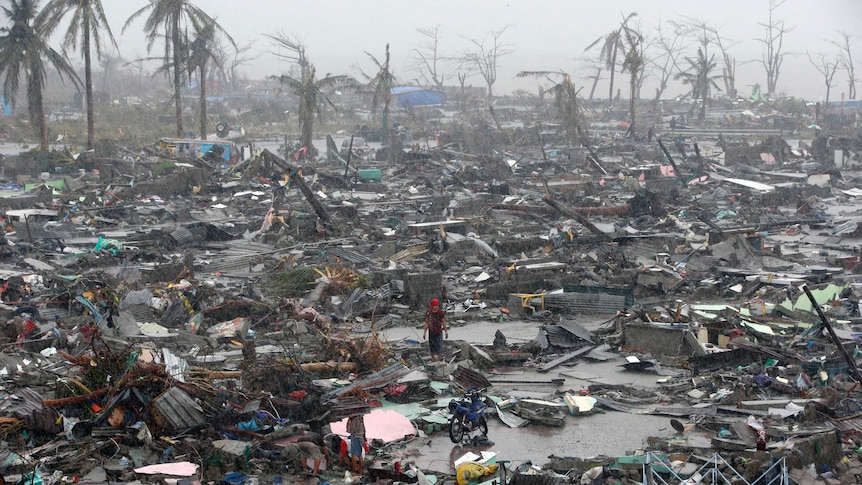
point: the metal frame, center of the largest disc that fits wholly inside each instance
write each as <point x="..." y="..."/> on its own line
<point x="714" y="472"/>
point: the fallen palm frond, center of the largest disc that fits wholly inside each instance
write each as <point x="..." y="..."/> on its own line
<point x="290" y="284"/>
<point x="339" y="277"/>
<point x="410" y="252"/>
<point x="9" y="425"/>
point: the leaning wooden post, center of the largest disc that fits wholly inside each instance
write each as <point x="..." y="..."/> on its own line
<point x="854" y="371"/>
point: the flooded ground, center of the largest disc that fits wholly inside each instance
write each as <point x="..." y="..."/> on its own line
<point x="608" y="433"/>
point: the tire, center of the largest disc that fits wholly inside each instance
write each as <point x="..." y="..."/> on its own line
<point x="222" y="129"/>
<point x="483" y="425"/>
<point x="456" y="430"/>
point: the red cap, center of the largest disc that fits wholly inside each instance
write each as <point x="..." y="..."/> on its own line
<point x="435" y="302"/>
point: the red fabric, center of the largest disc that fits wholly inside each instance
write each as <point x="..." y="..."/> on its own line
<point x="435" y="302"/>
<point x="435" y="321"/>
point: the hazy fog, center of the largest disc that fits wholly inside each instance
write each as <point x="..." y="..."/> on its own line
<point x="546" y="34"/>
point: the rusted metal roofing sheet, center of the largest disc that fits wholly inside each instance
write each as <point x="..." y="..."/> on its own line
<point x="179" y="409"/>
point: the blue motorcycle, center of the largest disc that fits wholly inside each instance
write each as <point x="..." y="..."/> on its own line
<point x="468" y="415"/>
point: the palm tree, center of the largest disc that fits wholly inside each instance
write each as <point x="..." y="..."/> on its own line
<point x="612" y="45"/>
<point x="168" y="19"/>
<point x="381" y="86"/>
<point x="23" y="50"/>
<point x="634" y="64"/>
<point x="565" y="103"/>
<point x="310" y="90"/>
<point x="88" y="20"/>
<point x="307" y="87"/>
<point x="201" y="51"/>
<point x="698" y="77"/>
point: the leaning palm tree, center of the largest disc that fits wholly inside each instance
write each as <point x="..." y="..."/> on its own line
<point x="87" y="21"/>
<point x="23" y="52"/>
<point x="381" y="86"/>
<point x="612" y="45"/>
<point x="699" y="78"/>
<point x="168" y="19"/>
<point x="565" y="103"/>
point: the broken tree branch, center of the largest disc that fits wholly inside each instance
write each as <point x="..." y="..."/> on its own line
<point x="319" y="209"/>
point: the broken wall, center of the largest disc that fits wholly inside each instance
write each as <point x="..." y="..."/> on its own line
<point x="661" y="340"/>
<point x="419" y="288"/>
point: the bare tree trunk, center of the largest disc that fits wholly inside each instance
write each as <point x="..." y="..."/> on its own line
<point x="595" y="83"/>
<point x="613" y="71"/>
<point x="319" y="208"/>
<point x="633" y="101"/>
<point x="88" y="81"/>
<point x="37" y="109"/>
<point x="462" y="79"/>
<point x="178" y="102"/>
<point x="203" y="101"/>
<point x="43" y="131"/>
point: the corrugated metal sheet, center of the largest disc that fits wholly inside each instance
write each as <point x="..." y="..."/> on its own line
<point x="851" y="425"/>
<point x="175" y="365"/>
<point x="559" y="337"/>
<point x="179" y="409"/>
<point x="576" y="329"/>
<point x="374" y="381"/>
<point x="23" y="402"/>
<point x="349" y="255"/>
<point x="348" y="406"/>
<point x="236" y="257"/>
<point x="469" y="379"/>
<point x="185" y="236"/>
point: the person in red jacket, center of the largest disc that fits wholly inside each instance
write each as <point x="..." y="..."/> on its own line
<point x="435" y="327"/>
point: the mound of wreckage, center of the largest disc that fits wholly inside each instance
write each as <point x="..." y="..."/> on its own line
<point x="185" y="327"/>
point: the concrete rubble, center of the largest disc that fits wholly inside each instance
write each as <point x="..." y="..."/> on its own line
<point x="189" y="326"/>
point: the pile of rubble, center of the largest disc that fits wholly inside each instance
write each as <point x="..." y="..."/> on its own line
<point x="195" y="324"/>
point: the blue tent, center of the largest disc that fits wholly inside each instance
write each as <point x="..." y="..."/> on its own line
<point x="411" y="97"/>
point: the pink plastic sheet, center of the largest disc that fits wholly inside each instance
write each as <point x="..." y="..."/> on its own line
<point x="382" y="424"/>
<point x="178" y="469"/>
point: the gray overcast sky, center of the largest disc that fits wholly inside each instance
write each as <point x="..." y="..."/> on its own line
<point x="546" y="34"/>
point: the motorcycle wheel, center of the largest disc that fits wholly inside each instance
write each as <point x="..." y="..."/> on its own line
<point x="483" y="425"/>
<point x="456" y="430"/>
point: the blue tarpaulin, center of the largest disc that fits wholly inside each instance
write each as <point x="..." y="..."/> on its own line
<point x="411" y="96"/>
<point x="7" y="108"/>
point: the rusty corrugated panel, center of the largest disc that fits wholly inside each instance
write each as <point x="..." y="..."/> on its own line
<point x="348" y="406"/>
<point x="852" y="424"/>
<point x="468" y="379"/>
<point x="374" y="381"/>
<point x="179" y="409"/>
